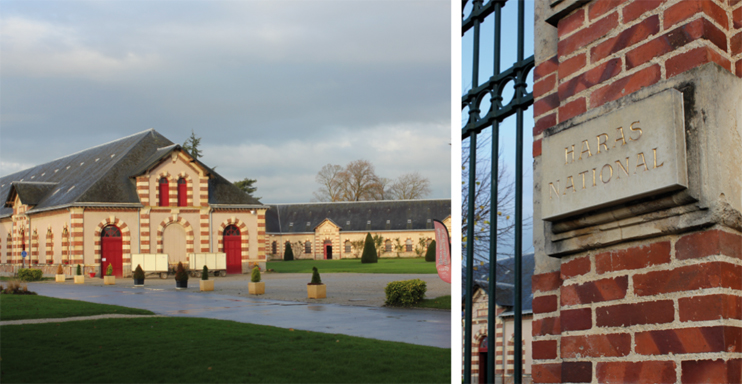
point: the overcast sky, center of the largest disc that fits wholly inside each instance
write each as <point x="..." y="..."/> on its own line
<point x="275" y="89"/>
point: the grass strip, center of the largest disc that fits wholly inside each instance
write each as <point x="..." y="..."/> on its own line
<point x="443" y="302"/>
<point x="413" y="265"/>
<point x="20" y="307"/>
<point x="193" y="350"/>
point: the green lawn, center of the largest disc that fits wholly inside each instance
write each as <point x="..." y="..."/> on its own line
<point x="443" y="302"/>
<point x="17" y="307"/>
<point x="416" y="265"/>
<point x="193" y="350"/>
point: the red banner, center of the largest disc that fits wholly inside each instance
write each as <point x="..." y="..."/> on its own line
<point x="442" y="251"/>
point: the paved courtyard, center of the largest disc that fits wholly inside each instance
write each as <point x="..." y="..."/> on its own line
<point x="354" y="304"/>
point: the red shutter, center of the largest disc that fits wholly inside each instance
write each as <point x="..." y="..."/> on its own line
<point x="182" y="193"/>
<point x="164" y="193"/>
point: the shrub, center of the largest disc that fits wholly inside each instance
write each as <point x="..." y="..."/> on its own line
<point x="26" y="274"/>
<point x="255" y="277"/>
<point x="15" y="287"/>
<point x="289" y="254"/>
<point x="405" y="293"/>
<point x="180" y="273"/>
<point x="430" y="255"/>
<point x="109" y="270"/>
<point x="315" y="277"/>
<point x="205" y="273"/>
<point x="60" y="270"/>
<point x="369" y="251"/>
<point x="79" y="270"/>
<point x="139" y="273"/>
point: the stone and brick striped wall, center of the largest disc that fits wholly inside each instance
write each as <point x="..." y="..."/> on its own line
<point x="611" y="48"/>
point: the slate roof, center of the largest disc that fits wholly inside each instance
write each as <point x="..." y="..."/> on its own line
<point x="103" y="175"/>
<point x="505" y="287"/>
<point x="354" y="216"/>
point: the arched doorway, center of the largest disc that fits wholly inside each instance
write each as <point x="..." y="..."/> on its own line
<point x="328" y="249"/>
<point x="174" y="243"/>
<point x="233" y="249"/>
<point x="483" y="361"/>
<point x="111" y="251"/>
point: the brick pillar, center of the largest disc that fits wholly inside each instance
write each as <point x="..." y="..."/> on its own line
<point x="145" y="238"/>
<point x="204" y="232"/>
<point x="76" y="236"/>
<point x="261" y="234"/>
<point x="642" y="289"/>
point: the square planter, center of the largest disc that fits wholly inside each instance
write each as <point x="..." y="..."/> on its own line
<point x="109" y="280"/>
<point x="139" y="283"/>
<point x="316" y="291"/>
<point x="59" y="278"/>
<point x="181" y="284"/>
<point x="206" y="285"/>
<point x="256" y="288"/>
<point x="79" y="279"/>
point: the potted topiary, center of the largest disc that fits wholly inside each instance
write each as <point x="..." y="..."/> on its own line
<point x="79" y="277"/>
<point x="255" y="286"/>
<point x="205" y="284"/>
<point x="315" y="289"/>
<point x="109" y="278"/>
<point x="181" y="277"/>
<point x="60" y="274"/>
<point x="139" y="276"/>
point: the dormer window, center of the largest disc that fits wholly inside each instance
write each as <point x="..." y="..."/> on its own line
<point x="182" y="193"/>
<point x="164" y="192"/>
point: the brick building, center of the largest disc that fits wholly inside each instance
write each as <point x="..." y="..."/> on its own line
<point x="638" y="191"/>
<point x="141" y="194"/>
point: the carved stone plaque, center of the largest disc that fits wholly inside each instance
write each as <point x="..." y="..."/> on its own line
<point x="626" y="154"/>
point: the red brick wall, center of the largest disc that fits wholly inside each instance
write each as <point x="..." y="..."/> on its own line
<point x="608" y="49"/>
<point x="664" y="312"/>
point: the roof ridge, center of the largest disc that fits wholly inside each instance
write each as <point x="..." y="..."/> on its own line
<point x="81" y="151"/>
<point x="116" y="161"/>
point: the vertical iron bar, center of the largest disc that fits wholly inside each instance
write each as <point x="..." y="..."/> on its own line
<point x="473" y="117"/>
<point x="518" y="308"/>
<point x="491" y="329"/>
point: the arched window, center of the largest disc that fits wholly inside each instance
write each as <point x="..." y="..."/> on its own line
<point x="408" y="245"/>
<point x="182" y="193"/>
<point x="388" y="246"/>
<point x="347" y="246"/>
<point x="164" y="192"/>
<point x="307" y="247"/>
<point x="274" y="248"/>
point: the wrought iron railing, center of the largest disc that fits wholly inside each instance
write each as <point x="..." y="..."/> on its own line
<point x="474" y="126"/>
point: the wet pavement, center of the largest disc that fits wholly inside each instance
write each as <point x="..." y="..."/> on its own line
<point x="414" y="326"/>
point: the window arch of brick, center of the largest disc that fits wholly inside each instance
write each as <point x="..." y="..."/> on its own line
<point x="190" y="239"/>
<point x="347" y="246"/>
<point x="244" y="236"/>
<point x="307" y="246"/>
<point x="65" y="244"/>
<point x="182" y="192"/>
<point x="35" y="246"/>
<point x="49" y="245"/>
<point x="408" y="245"/>
<point x="125" y="238"/>
<point x="274" y="247"/>
<point x="8" y="248"/>
<point x="388" y="246"/>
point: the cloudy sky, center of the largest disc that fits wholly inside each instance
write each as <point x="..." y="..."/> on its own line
<point x="275" y="89"/>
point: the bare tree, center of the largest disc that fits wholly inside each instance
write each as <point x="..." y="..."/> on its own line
<point x="329" y="179"/>
<point x="358" y="181"/>
<point x="410" y="186"/>
<point x="382" y="190"/>
<point x="482" y="203"/>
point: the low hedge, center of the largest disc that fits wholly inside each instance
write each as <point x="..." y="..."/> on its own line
<point x="26" y="274"/>
<point x="405" y="293"/>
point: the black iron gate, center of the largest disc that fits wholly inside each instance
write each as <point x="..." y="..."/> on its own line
<point x="474" y="126"/>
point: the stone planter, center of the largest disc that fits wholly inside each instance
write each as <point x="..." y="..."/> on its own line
<point x="206" y="285"/>
<point x="316" y="291"/>
<point x="79" y="279"/>
<point x="181" y="284"/>
<point x="109" y="280"/>
<point x="256" y="288"/>
<point x="139" y="282"/>
<point x="59" y="278"/>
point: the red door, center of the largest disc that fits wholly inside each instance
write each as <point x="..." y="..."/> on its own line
<point x="182" y="193"/>
<point x="111" y="251"/>
<point x="328" y="250"/>
<point x="483" y="362"/>
<point x="233" y="249"/>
